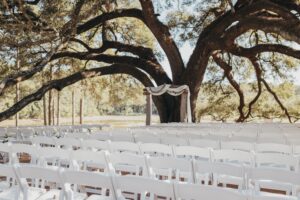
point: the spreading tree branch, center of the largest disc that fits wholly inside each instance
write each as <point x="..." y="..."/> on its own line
<point x="64" y="82"/>
<point x="227" y="72"/>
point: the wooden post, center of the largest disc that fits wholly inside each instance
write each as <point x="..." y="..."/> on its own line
<point x="50" y="108"/>
<point x="53" y="109"/>
<point x="17" y="87"/>
<point x="148" y="107"/>
<point x="81" y="110"/>
<point x="50" y="102"/>
<point x="45" y="110"/>
<point x="58" y="108"/>
<point x="73" y="107"/>
<point x="183" y="107"/>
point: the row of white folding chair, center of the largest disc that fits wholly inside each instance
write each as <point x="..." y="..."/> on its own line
<point x="44" y="183"/>
<point x="161" y="149"/>
<point x="288" y="162"/>
<point x="185" y="139"/>
<point x="247" y="178"/>
<point x="260" y="147"/>
<point x="267" y="178"/>
<point x="185" y="191"/>
<point x="231" y="156"/>
<point x="156" y="166"/>
<point x="236" y="145"/>
<point x="236" y="153"/>
<point x="115" y="184"/>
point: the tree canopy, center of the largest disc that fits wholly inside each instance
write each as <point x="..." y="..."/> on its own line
<point x="244" y="49"/>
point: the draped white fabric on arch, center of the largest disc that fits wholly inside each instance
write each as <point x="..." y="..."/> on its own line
<point x="174" y="90"/>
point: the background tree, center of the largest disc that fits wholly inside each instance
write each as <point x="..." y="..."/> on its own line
<point x="132" y="37"/>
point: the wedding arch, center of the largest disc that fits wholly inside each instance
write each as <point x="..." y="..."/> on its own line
<point x="174" y="90"/>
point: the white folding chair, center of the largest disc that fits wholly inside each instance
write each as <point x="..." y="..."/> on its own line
<point x="19" y="150"/>
<point x="128" y="163"/>
<point x="272" y="139"/>
<point x="85" y="159"/>
<point x="293" y="141"/>
<point x="54" y="156"/>
<point x="215" y="137"/>
<point x="101" y="135"/>
<point x="121" y="135"/>
<point x="226" y="173"/>
<point x="125" y="147"/>
<point x="233" y="156"/>
<point x="272" y="197"/>
<point x="219" y="173"/>
<point x="237" y="145"/>
<point x="34" y="181"/>
<point x="9" y="189"/>
<point x="296" y="150"/>
<point x="169" y="167"/>
<point x="147" y="138"/>
<point x="43" y="141"/>
<point x="274" y="179"/>
<point x="196" y="191"/>
<point x="78" y="183"/>
<point x="26" y="134"/>
<point x="276" y="160"/>
<point x="79" y="135"/>
<point x="204" y="143"/>
<point x="5" y="152"/>
<point x="273" y="148"/>
<point x="143" y="186"/>
<point x="155" y="149"/>
<point x="202" y="172"/>
<point x="173" y="140"/>
<point x="95" y="145"/>
<point x="68" y="143"/>
<point x="192" y="152"/>
<point x="242" y="138"/>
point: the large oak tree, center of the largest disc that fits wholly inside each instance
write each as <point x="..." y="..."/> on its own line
<point x="110" y="33"/>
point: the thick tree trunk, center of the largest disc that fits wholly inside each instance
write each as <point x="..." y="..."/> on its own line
<point x="168" y="108"/>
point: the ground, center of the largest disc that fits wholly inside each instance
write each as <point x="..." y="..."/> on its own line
<point x="113" y="120"/>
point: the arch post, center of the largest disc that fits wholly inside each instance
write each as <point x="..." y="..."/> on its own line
<point x="148" y="107"/>
<point x="183" y="106"/>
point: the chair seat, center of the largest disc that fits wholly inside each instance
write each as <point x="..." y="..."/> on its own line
<point x="206" y="177"/>
<point x="127" y="168"/>
<point x="98" y="197"/>
<point x="230" y="180"/>
<point x="35" y="193"/>
<point x="275" y="185"/>
<point x="270" y="196"/>
<point x="50" y="195"/>
<point x="4" y="185"/>
<point x="79" y="196"/>
<point x="83" y="196"/>
<point x="10" y="194"/>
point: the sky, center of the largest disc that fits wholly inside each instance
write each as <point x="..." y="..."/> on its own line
<point x="186" y="50"/>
